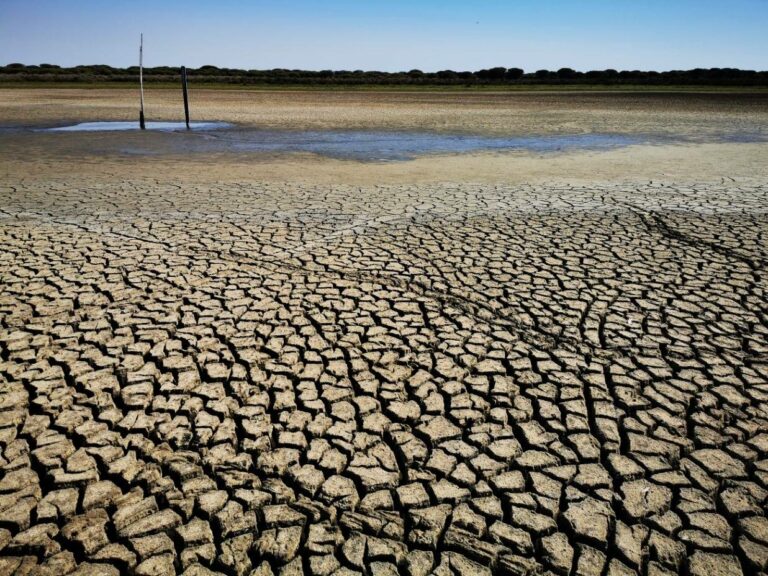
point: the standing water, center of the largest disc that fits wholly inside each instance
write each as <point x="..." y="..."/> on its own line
<point x="361" y="145"/>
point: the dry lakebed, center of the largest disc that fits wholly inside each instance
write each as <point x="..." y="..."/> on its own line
<point x="384" y="333"/>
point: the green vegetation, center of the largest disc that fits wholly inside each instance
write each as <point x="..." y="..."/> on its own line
<point x="493" y="78"/>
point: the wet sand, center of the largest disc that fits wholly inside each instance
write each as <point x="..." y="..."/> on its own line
<point x="493" y="363"/>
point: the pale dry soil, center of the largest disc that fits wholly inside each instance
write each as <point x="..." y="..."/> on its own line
<point x="493" y="364"/>
<point x="483" y="112"/>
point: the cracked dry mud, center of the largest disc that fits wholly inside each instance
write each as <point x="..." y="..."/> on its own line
<point x="449" y="379"/>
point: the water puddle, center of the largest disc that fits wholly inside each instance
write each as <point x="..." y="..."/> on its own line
<point x="361" y="145"/>
<point x="393" y="146"/>
<point x="172" y="138"/>
<point x="121" y="126"/>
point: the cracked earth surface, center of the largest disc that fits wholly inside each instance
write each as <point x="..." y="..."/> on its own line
<point x="448" y="379"/>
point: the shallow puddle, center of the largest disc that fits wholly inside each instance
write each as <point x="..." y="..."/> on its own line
<point x="389" y="146"/>
<point x="172" y="138"/>
<point x="363" y="145"/>
<point x="121" y="126"/>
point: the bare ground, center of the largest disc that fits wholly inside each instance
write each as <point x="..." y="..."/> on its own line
<point x="487" y="113"/>
<point x="460" y="365"/>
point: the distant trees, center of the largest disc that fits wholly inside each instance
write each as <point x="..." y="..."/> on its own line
<point x="497" y="76"/>
<point x="492" y="75"/>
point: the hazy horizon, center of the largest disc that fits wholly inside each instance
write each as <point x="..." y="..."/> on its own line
<point x="389" y="36"/>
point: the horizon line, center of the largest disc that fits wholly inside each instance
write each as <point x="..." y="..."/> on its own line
<point x="401" y="71"/>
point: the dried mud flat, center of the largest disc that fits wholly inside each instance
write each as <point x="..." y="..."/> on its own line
<point x="404" y="378"/>
<point x="225" y="375"/>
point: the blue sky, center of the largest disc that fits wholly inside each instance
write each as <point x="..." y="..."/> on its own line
<point x="390" y="34"/>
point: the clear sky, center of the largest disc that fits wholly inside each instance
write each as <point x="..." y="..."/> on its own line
<point x="390" y="35"/>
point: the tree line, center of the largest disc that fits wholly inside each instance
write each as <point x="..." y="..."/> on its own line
<point x="491" y="76"/>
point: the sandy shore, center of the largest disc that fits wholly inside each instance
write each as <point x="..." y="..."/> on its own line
<point x="493" y="363"/>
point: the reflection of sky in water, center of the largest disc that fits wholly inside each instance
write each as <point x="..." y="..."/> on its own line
<point x="111" y="126"/>
<point x="171" y="138"/>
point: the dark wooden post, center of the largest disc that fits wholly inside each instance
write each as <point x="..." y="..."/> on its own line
<point x="186" y="98"/>
<point x="141" y="82"/>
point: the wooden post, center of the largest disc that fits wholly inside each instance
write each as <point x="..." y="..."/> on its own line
<point x="186" y="98"/>
<point x="142" y="125"/>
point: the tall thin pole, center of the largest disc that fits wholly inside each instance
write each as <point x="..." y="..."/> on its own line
<point x="141" y="82"/>
<point x="184" y="89"/>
